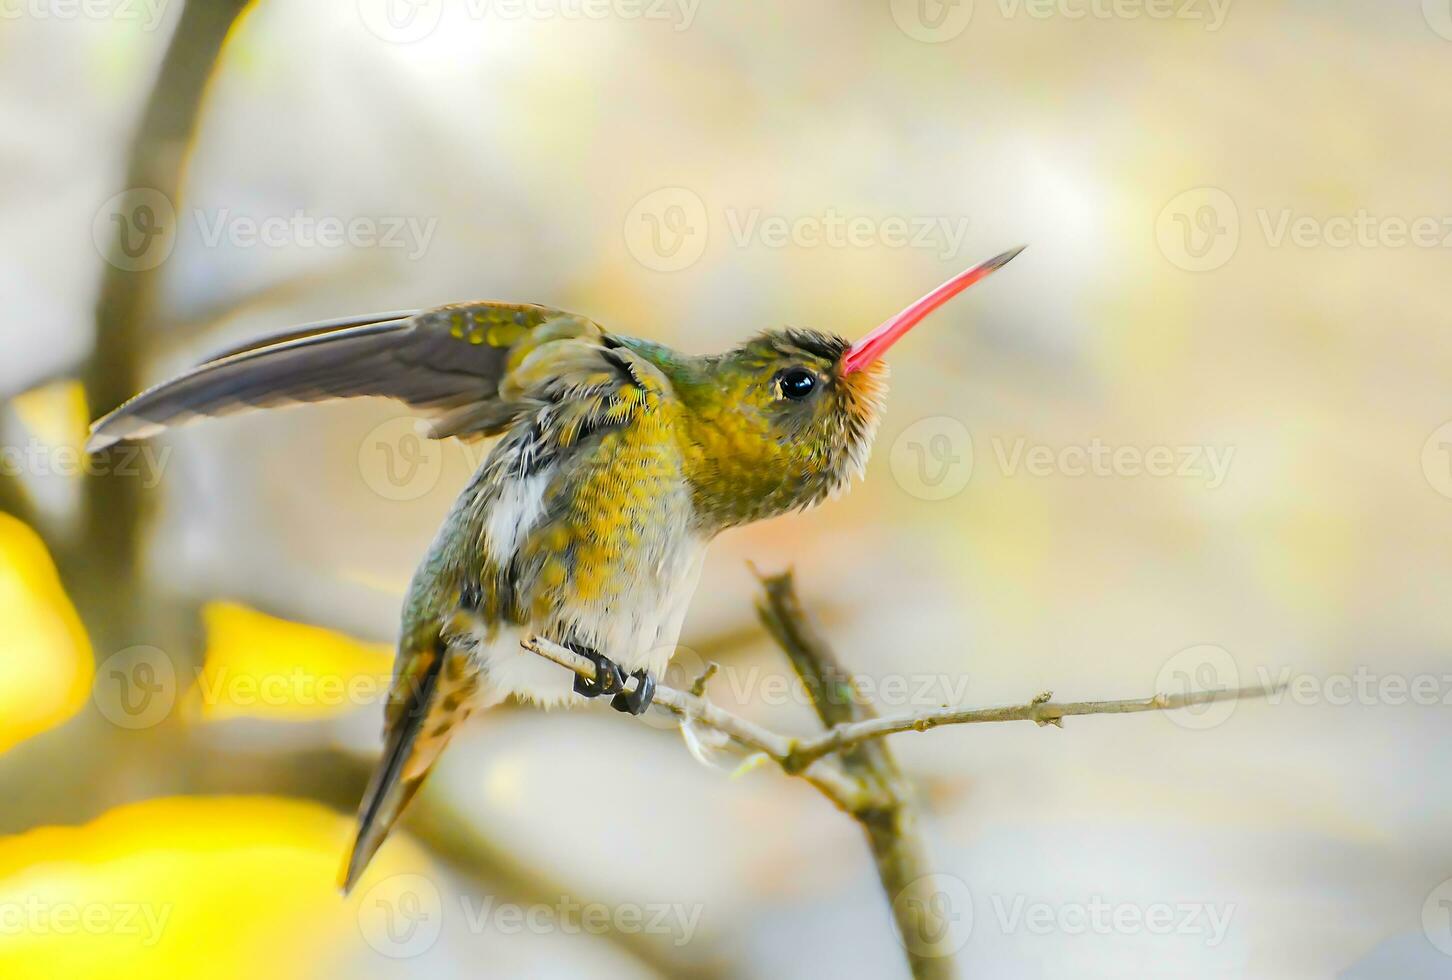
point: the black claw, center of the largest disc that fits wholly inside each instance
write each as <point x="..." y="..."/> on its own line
<point x="636" y="701"/>
<point x="608" y="677"/>
<point x="471" y="596"/>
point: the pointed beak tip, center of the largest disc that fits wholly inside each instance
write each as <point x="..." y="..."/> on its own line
<point x="876" y="343"/>
<point x="1008" y="256"/>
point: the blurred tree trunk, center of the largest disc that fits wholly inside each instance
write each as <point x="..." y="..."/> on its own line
<point x="105" y="570"/>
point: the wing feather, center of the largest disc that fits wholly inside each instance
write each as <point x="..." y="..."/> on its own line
<point x="445" y="362"/>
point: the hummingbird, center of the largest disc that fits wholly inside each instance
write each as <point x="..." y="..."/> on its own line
<point x="618" y="460"/>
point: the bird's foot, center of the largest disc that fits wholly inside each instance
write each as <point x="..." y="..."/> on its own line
<point x="635" y="701"/>
<point x="608" y="677"/>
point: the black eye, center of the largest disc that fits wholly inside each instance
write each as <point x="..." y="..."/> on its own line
<point x="797" y="383"/>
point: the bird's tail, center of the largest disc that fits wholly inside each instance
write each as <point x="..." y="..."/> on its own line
<point x="420" y="719"/>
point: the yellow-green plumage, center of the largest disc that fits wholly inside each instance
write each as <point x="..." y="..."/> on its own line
<point x="618" y="461"/>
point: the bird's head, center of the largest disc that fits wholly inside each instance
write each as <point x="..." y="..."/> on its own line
<point x="787" y="419"/>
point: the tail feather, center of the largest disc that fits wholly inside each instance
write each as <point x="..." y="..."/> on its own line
<point x="399" y="775"/>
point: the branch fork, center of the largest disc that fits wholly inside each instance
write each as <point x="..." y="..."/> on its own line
<point x="849" y="761"/>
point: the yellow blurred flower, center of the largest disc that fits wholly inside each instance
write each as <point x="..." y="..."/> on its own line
<point x="189" y="887"/>
<point x="259" y="666"/>
<point x="56" y="414"/>
<point x="45" y="656"/>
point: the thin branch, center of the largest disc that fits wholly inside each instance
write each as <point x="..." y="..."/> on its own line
<point x="828" y="778"/>
<point x="850" y="762"/>
<point x="1041" y="710"/>
<point x="891" y="824"/>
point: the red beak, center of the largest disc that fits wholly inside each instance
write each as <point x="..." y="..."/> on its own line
<point x="876" y="343"/>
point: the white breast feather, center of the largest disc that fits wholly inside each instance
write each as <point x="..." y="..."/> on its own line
<point x="639" y="633"/>
<point x="514" y="515"/>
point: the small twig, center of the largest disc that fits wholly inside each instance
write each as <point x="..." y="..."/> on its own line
<point x="830" y="779"/>
<point x="1041" y="710"/>
<point x="698" y="686"/>
<point x="850" y="763"/>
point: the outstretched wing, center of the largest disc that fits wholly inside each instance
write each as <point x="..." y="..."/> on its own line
<point x="446" y="362"/>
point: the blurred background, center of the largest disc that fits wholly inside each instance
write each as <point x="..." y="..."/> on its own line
<point x="1197" y="435"/>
